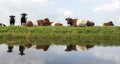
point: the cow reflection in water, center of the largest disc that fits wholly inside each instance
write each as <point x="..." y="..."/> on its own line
<point x="44" y="47"/>
<point x="21" y="50"/>
<point x="10" y="49"/>
<point x="28" y="45"/>
<point x="77" y="47"/>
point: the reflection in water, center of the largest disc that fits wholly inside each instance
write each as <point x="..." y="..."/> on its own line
<point x="21" y="49"/>
<point x="28" y="45"/>
<point x="72" y="47"/>
<point x="69" y="48"/>
<point x="44" y="47"/>
<point x="10" y="48"/>
<point x="56" y="54"/>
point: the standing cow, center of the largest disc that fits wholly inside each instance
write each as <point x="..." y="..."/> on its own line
<point x="79" y="22"/>
<point x="12" y="20"/>
<point x="23" y="18"/>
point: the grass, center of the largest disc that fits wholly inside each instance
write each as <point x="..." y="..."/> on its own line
<point x="60" y="35"/>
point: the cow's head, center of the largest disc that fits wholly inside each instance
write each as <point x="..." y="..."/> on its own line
<point x="111" y="23"/>
<point x="90" y="23"/>
<point x="12" y="16"/>
<point x="24" y="14"/>
<point x="47" y="22"/>
<point x="69" y="20"/>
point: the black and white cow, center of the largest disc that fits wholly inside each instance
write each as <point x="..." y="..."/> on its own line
<point x="12" y="20"/>
<point x="23" y="18"/>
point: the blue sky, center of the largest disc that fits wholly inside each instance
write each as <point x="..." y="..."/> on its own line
<point x="98" y="11"/>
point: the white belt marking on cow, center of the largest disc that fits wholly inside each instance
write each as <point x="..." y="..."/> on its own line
<point x="34" y="23"/>
<point x="81" y="22"/>
<point x="81" y="48"/>
<point x="53" y="24"/>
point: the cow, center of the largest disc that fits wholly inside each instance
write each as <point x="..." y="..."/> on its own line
<point x="12" y="20"/>
<point x="28" y="45"/>
<point x="2" y="25"/>
<point x="21" y="50"/>
<point x="72" y="47"/>
<point x="44" y="22"/>
<point x="23" y="18"/>
<point x="79" y="22"/>
<point x="109" y="23"/>
<point x="10" y="49"/>
<point x="56" y="24"/>
<point x="44" y="47"/>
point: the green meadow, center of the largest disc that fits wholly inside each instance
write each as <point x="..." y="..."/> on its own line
<point x="60" y="35"/>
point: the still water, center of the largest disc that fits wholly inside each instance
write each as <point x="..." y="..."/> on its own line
<point x="59" y="54"/>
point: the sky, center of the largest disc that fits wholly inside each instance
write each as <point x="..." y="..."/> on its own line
<point x="98" y="11"/>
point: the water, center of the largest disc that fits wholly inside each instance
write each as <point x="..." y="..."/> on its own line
<point x="59" y="54"/>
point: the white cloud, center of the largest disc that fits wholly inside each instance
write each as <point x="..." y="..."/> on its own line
<point x="62" y="12"/>
<point x="19" y="1"/>
<point x="93" y="1"/>
<point x="107" y="53"/>
<point x="39" y="0"/>
<point x="118" y="20"/>
<point x="112" y="6"/>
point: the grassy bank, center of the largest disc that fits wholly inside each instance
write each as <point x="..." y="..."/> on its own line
<point x="83" y="34"/>
<point x="17" y="32"/>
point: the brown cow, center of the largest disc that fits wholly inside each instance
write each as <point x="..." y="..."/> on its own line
<point x="79" y="22"/>
<point x="72" y="47"/>
<point x="44" y="47"/>
<point x="56" y="24"/>
<point x="109" y="23"/>
<point x="44" y="22"/>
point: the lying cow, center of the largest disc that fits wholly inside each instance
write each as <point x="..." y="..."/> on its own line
<point x="2" y="25"/>
<point x="72" y="47"/>
<point x="79" y="22"/>
<point x="56" y="24"/>
<point x="109" y="23"/>
<point x="44" y="47"/>
<point x="44" y="22"/>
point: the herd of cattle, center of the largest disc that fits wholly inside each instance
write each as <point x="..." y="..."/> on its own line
<point x="68" y="48"/>
<point x="47" y="22"/>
